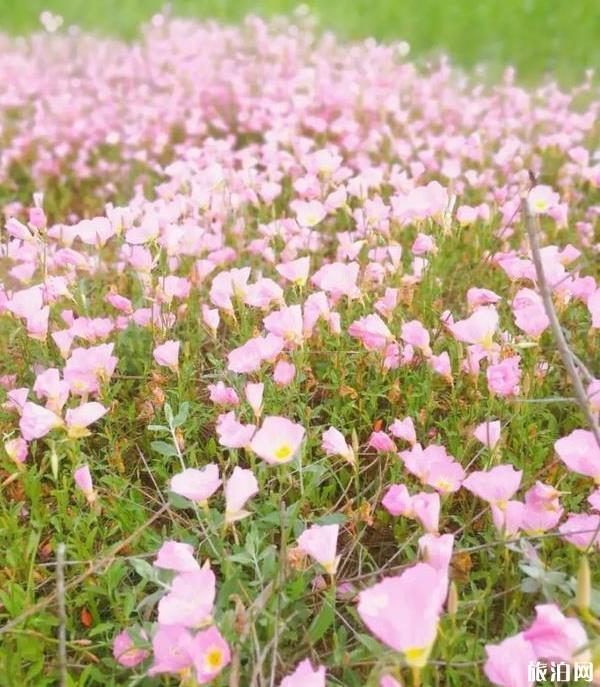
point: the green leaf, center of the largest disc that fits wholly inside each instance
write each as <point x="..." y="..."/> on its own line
<point x="177" y="501"/>
<point x="332" y="519"/>
<point x="158" y="428"/>
<point x="322" y="622"/>
<point x="144" y="569"/>
<point x="164" y="448"/>
<point x="371" y="644"/>
<point x="150" y="600"/>
<point x="182" y="415"/>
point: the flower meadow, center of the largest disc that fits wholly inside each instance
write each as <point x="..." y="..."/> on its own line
<point x="282" y="403"/>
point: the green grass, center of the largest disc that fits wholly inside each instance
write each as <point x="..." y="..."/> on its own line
<point x="537" y="36"/>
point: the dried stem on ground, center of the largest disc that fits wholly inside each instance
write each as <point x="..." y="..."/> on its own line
<point x="567" y="356"/>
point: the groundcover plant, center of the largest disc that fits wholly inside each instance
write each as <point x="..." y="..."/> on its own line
<point x="299" y="344"/>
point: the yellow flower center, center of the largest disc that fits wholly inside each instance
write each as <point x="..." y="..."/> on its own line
<point x="283" y="452"/>
<point x="76" y="432"/>
<point x="416" y="657"/>
<point x="213" y="660"/>
<point x="487" y="342"/>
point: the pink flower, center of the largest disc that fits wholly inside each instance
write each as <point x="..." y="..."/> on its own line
<point x="78" y="419"/>
<point x="286" y="323"/>
<point x="593" y="394"/>
<point x="503" y="378"/>
<point x="581" y="530"/>
<point x="420" y="203"/>
<point x="196" y="485"/>
<point x="172" y="646"/>
<point x="189" y="603"/>
<point x="508" y="663"/>
<point x="508" y="517"/>
<point x="316" y="307"/>
<point x="49" y="385"/>
<point x="16" y="399"/>
<point x="254" y="396"/>
<point x="479" y="328"/>
<point x="338" y="279"/>
<point x="593" y="305"/>
<point x="441" y="364"/>
<point x="223" y="395"/>
<point x="477" y="297"/>
<point x="444" y="475"/>
<point x="211" y="318"/>
<point x="434" y="466"/>
<point x="305" y="676"/>
<point x="278" y="440"/>
<point x="415" y="334"/>
<point x="167" y="354"/>
<point x="334" y="444"/>
<point x="320" y="542"/>
<point x="423" y="244"/>
<point x="233" y="434"/>
<point x="388" y="681"/>
<point x="171" y="287"/>
<point x="126" y="652"/>
<point x="488" y="433"/>
<point x="18" y="230"/>
<point x="594" y="499"/>
<point x="404" y="429"/>
<point x="436" y="550"/>
<point x="403" y="611"/>
<point x="381" y="442"/>
<point x="119" y="302"/>
<point x="529" y="313"/>
<point x="388" y="303"/>
<point x="36" y="421"/>
<point x="83" y="479"/>
<point x="397" y="501"/>
<point x="295" y="271"/>
<point x="174" y="555"/>
<point x="372" y="331"/>
<point x="496" y="486"/>
<point x="240" y="487"/>
<point x="542" y="509"/>
<point x="466" y="215"/>
<point x="541" y="199"/>
<point x="16" y="449"/>
<point x="308" y="213"/>
<point x="426" y="508"/>
<point x="580" y="452"/>
<point x="210" y="654"/>
<point x="555" y="637"/>
<point x="284" y="373"/>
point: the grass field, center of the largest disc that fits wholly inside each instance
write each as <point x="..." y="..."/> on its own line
<point x="280" y="403"/>
<point x="537" y="36"/>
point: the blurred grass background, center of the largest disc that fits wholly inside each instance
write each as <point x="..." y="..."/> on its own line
<point x="560" y="37"/>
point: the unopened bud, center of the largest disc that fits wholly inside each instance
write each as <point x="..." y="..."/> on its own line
<point x="452" y="603"/>
<point x="355" y="446"/>
<point x="584" y="585"/>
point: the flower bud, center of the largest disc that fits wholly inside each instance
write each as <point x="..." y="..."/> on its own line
<point x="584" y="585"/>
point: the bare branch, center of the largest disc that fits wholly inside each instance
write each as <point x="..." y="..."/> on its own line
<point x="566" y="354"/>
<point x="62" y="615"/>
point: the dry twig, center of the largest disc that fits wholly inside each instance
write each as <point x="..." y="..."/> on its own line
<point x="567" y="356"/>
